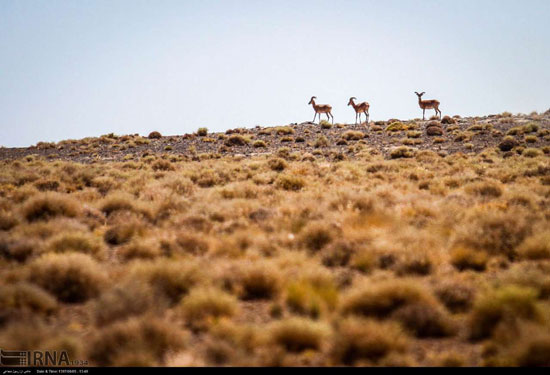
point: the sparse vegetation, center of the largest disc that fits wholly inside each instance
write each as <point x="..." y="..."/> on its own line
<point x="341" y="248"/>
<point x="154" y="135"/>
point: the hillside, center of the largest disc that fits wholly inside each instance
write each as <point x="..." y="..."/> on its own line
<point x="295" y="245"/>
<point x="457" y="135"/>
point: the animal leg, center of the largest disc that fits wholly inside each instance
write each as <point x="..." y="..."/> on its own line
<point x="314" y="117"/>
<point x="423" y="114"/>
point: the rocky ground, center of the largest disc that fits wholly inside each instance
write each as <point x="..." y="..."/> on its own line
<point x="456" y="134"/>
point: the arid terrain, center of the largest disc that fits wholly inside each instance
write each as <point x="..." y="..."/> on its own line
<point x="397" y="243"/>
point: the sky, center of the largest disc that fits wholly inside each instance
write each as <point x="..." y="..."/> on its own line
<point x="73" y="69"/>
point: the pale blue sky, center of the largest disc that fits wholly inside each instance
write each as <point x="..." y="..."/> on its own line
<point x="70" y="69"/>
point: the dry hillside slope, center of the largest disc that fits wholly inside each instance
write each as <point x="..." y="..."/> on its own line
<point x="297" y="245"/>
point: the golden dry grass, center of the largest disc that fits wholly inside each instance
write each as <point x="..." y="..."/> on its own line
<point x="286" y="259"/>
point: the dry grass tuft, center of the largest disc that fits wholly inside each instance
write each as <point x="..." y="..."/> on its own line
<point x="381" y="299"/>
<point x="536" y="247"/>
<point x="299" y="334"/>
<point x="122" y="301"/>
<point x="171" y="279"/>
<point x="49" y="205"/>
<point x="258" y="281"/>
<point x="317" y="235"/>
<point x="137" y="342"/>
<point x="202" y="306"/>
<point x="366" y="342"/>
<point x="506" y="305"/>
<point x="72" y="277"/>
<point x="24" y="299"/>
<point x="79" y="242"/>
<point x="464" y="258"/>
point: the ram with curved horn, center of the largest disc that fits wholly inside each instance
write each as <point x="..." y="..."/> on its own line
<point x="428" y="104"/>
<point x="359" y="108"/>
<point x="321" y="108"/>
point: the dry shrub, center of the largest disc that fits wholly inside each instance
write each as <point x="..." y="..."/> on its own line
<point x="352" y="135"/>
<point x="507" y="144"/>
<point x="338" y="254"/>
<point x="22" y="299"/>
<point x="7" y="221"/>
<point x="381" y="299"/>
<point x="140" y="249"/>
<point x="395" y="126"/>
<point x="312" y="295"/>
<point x="72" y="277"/>
<point x="17" y="249"/>
<point x="137" y="342"/>
<point x="299" y="334"/>
<point x="364" y="342"/>
<point x="189" y="243"/>
<point x="162" y="165"/>
<point x="47" y="185"/>
<point x="321" y="141"/>
<point x="125" y="300"/>
<point x="425" y="320"/>
<point x="240" y="190"/>
<point x="448" y="120"/>
<point x="317" y="235"/>
<point x="230" y="343"/>
<point x="464" y="258"/>
<point x="202" y="306"/>
<point x="365" y="260"/>
<point x="154" y="135"/>
<point x="79" y="242"/>
<point x="533" y="350"/>
<point x="34" y="334"/>
<point x="169" y="278"/>
<point x="402" y="152"/>
<point x="122" y="233"/>
<point x="236" y="140"/>
<point x="104" y="184"/>
<point x="495" y="232"/>
<point x="45" y="206"/>
<point x="456" y="296"/>
<point x="506" y="305"/>
<point x="486" y="189"/>
<point x="254" y="281"/>
<point x="450" y="359"/>
<point x="535" y="247"/>
<point x="277" y="164"/>
<point x="117" y="202"/>
<point x="532" y="152"/>
<point x="284" y="130"/>
<point x="179" y="184"/>
<point x="415" y="262"/>
<point x="527" y="345"/>
<point x="290" y="182"/>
